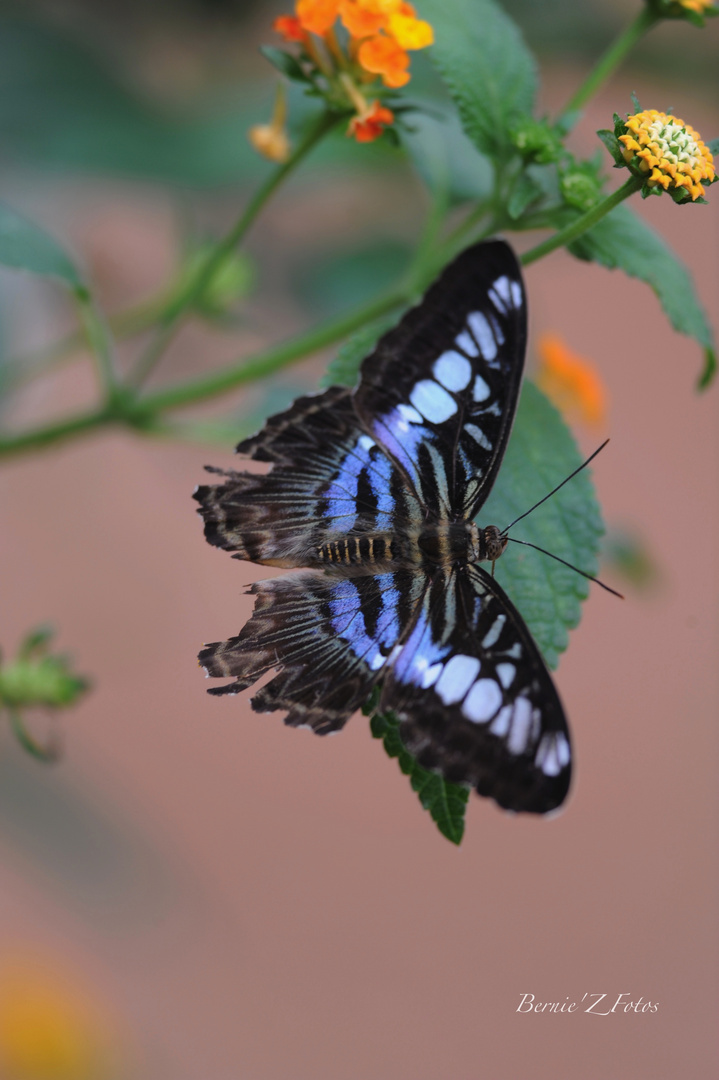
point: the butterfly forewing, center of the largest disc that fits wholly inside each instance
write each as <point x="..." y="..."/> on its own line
<point x="329" y="478"/>
<point x="440" y="390"/>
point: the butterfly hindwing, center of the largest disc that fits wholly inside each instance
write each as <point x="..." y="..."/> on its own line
<point x="475" y="698"/>
<point x="328" y="479"/>
<point x="440" y="390"/>
<point x="329" y="638"/>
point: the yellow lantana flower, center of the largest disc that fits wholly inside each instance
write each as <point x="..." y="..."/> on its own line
<point x="694" y="11"/>
<point x="666" y="153"/>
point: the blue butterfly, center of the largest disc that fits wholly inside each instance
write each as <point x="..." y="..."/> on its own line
<point x="375" y="491"/>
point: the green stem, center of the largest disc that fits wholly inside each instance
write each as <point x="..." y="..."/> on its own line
<point x="40" y="437"/>
<point x="614" y="55"/>
<point x="99" y="339"/>
<point x="49" y="753"/>
<point x="582" y="224"/>
<point x="219" y="382"/>
<point x="20" y="370"/>
<point x="141" y="414"/>
<point x="189" y="296"/>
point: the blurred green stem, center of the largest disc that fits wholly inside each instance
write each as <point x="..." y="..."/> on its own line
<point x="184" y="300"/>
<point x="21" y="370"/>
<point x="142" y="413"/>
<point x="99" y="340"/>
<point x="218" y="382"/>
<point x="584" y="223"/>
<point x="614" y="55"/>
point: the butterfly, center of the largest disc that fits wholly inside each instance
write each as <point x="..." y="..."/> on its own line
<point x="374" y="492"/>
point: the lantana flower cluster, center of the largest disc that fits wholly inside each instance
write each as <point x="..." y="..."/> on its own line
<point x="694" y="11"/>
<point x="347" y="46"/>
<point x="667" y="153"/>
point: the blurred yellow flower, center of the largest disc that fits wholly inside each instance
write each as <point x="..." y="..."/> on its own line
<point x="271" y="140"/>
<point x="571" y="382"/>
<point x="48" y="1029"/>
<point x="700" y="6"/>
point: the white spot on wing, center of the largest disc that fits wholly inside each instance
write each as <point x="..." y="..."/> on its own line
<point x="466" y="342"/>
<point x="482" y="701"/>
<point x="366" y="443"/>
<point x="481" y="391"/>
<point x="478" y="436"/>
<point x="503" y="286"/>
<point x="505" y="674"/>
<point x="429" y="398"/>
<point x="453" y="370"/>
<point x="516" y="294"/>
<point x="521" y="725"/>
<point x="546" y="757"/>
<point x="494" y="631"/>
<point x="409" y="414"/>
<point x="563" y="752"/>
<point x="378" y="661"/>
<point x="483" y="334"/>
<point x="431" y="675"/>
<point x="500" y="724"/>
<point x="458" y="675"/>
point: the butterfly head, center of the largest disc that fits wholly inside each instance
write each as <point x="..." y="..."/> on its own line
<point x="491" y="543"/>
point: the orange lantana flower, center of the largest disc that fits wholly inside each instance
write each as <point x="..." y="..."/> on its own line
<point x="317" y="16"/>
<point x="380" y="34"/>
<point x="362" y="18"/>
<point x="571" y="382"/>
<point x="290" y="27"/>
<point x="382" y="56"/>
<point x="368" y="127"/>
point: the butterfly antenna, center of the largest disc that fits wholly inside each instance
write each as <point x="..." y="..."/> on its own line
<point x="525" y="543"/>
<point x="553" y="492"/>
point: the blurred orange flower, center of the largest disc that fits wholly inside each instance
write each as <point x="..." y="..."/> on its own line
<point x="290" y="27"/>
<point x="369" y="127"/>
<point x="382" y="56"/>
<point x="317" y="16"/>
<point x="571" y="382"/>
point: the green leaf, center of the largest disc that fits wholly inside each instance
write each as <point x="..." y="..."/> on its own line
<point x="540" y="454"/>
<point x="285" y="63"/>
<point x="445" y="158"/>
<point x="25" y="246"/>
<point x="445" y="802"/>
<point x="713" y="146"/>
<point x="623" y="241"/>
<point x="710" y="369"/>
<point x="343" y="369"/>
<point x="525" y="191"/>
<point x="613" y="145"/>
<point x="488" y="70"/>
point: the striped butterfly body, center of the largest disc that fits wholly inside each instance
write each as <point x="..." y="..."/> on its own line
<point x="373" y="493"/>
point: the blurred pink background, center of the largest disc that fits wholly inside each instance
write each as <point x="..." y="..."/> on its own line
<point x="240" y="900"/>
